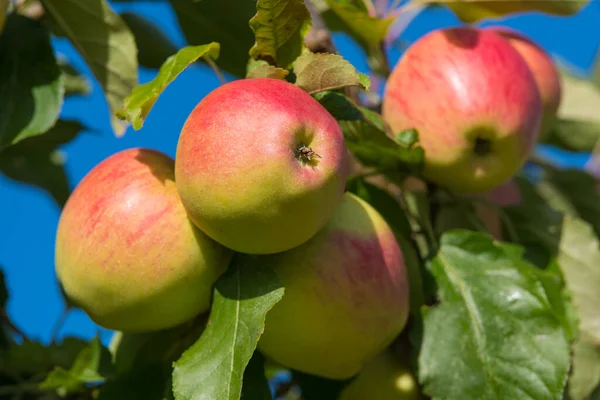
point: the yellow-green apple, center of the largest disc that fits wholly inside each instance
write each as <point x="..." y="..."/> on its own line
<point x="127" y="253"/>
<point x="261" y="166"/>
<point x="383" y="378"/>
<point x="544" y="71"/>
<point x="346" y="295"/>
<point x="474" y="103"/>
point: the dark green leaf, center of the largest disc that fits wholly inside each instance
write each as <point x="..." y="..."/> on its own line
<point x="256" y="386"/>
<point x="30" y="81"/>
<point x="74" y="82"/>
<point x="153" y="45"/>
<point x="221" y="21"/>
<point x="279" y="27"/>
<point x="262" y="69"/>
<point x="141" y="100"/>
<point x="494" y="335"/>
<point x="352" y="18"/>
<point x="29" y="358"/>
<point x="475" y="10"/>
<point x="144" y="361"/>
<point x="213" y="367"/>
<point x="87" y="368"/>
<point x="573" y="192"/>
<point x="105" y="43"/>
<point x="322" y="71"/>
<point x="366" y="136"/>
<point x="340" y="106"/>
<point x="36" y="160"/>
<point x="574" y="135"/>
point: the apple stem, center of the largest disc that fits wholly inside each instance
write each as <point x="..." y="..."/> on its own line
<point x="482" y="147"/>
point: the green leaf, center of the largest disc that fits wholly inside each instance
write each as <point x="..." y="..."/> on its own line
<point x="279" y="27"/>
<point x="322" y="71"/>
<point x="37" y="161"/>
<point x="494" y="335"/>
<point x="30" y="357"/>
<point x="579" y="260"/>
<point x="144" y="361"/>
<point x="574" y="135"/>
<point x="352" y="18"/>
<point x="573" y="192"/>
<point x="86" y="369"/>
<point x="256" y="386"/>
<point x="585" y="374"/>
<point x="73" y="82"/>
<point x="262" y="69"/>
<point x="474" y="10"/>
<point x="221" y="21"/>
<point x="30" y="81"/>
<point x="105" y="43"/>
<point x="213" y="367"/>
<point x="366" y="136"/>
<point x="154" y="47"/>
<point x="3" y="289"/>
<point x="141" y="100"/>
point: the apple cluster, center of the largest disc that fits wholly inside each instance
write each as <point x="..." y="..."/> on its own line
<point x="260" y="170"/>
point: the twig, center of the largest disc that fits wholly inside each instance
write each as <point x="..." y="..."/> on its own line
<point x="59" y="323"/>
<point x="4" y="320"/>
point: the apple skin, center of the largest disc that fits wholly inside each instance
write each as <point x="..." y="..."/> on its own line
<point x="3" y="13"/>
<point x="346" y="295"/>
<point x="460" y="86"/>
<point x="127" y="253"/>
<point x="544" y="71"/>
<point x="383" y="378"/>
<point x="239" y="174"/>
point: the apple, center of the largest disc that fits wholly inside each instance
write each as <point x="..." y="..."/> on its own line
<point x="383" y="378"/>
<point x="127" y="253"/>
<point x="346" y="295"/>
<point x="544" y="71"/>
<point x="474" y="103"/>
<point x="261" y="166"/>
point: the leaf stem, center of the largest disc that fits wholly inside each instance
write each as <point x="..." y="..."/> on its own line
<point x="216" y="69"/>
<point x="59" y="323"/>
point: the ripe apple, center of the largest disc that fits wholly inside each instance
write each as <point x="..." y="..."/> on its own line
<point x="261" y="166"/>
<point x="383" y="378"/>
<point x="127" y="253"/>
<point x="346" y="295"/>
<point x="474" y="102"/>
<point x="544" y="71"/>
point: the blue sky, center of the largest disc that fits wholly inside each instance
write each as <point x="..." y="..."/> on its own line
<point x="29" y="217"/>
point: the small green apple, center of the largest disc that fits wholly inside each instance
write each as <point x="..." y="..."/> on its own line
<point x="544" y="71"/>
<point x="383" y="378"/>
<point x="346" y="295"/>
<point x="127" y="253"/>
<point x="261" y="166"/>
<point x="474" y="102"/>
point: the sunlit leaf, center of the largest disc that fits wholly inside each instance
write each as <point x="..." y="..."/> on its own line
<point x="279" y="27"/>
<point x="320" y="72"/>
<point x="105" y="43"/>
<point x="139" y="103"/>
